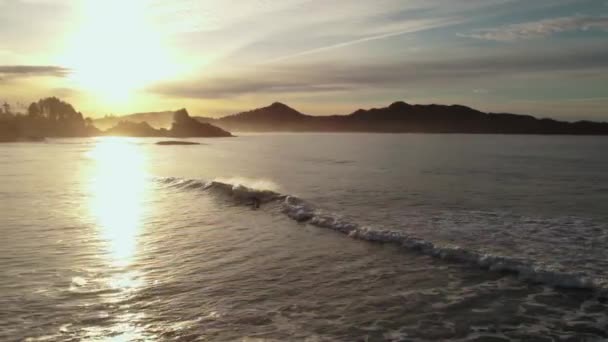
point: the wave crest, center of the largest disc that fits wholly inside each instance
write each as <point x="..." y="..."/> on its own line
<point x="304" y="212"/>
<point x="238" y="191"/>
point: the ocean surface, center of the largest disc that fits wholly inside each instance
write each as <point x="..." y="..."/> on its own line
<point x="358" y="237"/>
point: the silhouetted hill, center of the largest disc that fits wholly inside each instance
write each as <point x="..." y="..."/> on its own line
<point x="183" y="126"/>
<point x="275" y="113"/>
<point x="49" y="117"/>
<point x="401" y="117"/>
<point x="52" y="117"/>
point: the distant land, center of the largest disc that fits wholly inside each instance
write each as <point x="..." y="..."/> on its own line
<point x="52" y="117"/>
<point x="398" y="117"/>
<point x="182" y="126"/>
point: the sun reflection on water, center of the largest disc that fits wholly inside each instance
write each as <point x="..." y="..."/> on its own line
<point x="118" y="191"/>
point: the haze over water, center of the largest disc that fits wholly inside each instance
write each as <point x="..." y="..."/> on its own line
<point x="118" y="239"/>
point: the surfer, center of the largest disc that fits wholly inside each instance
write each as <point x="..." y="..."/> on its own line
<point x="255" y="202"/>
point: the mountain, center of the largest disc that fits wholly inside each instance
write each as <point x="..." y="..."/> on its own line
<point x="261" y="119"/>
<point x="276" y="117"/>
<point x="401" y="117"/>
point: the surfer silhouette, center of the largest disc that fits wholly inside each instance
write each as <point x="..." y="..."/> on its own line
<point x="255" y="203"/>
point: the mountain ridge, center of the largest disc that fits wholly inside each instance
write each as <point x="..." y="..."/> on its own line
<point x="399" y="117"/>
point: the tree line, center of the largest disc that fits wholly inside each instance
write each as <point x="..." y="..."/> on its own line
<point x="48" y="117"/>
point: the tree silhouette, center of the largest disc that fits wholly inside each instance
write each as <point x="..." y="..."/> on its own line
<point x="7" y="108"/>
<point x="33" y="110"/>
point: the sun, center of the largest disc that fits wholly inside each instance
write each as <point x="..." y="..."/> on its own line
<point x="116" y="50"/>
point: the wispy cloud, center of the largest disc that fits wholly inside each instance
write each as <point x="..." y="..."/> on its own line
<point x="340" y="77"/>
<point x="33" y="70"/>
<point x="219" y="88"/>
<point x="540" y="29"/>
<point x="406" y="28"/>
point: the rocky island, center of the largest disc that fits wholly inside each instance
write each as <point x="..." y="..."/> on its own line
<point x="177" y="142"/>
<point x="52" y="117"/>
<point x="183" y="127"/>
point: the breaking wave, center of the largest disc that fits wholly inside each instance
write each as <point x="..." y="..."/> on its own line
<point x="240" y="189"/>
<point x="244" y="191"/>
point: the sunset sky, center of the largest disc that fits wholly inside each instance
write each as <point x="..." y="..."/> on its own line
<point x="216" y="57"/>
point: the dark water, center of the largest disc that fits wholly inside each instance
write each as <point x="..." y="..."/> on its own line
<point x="481" y="238"/>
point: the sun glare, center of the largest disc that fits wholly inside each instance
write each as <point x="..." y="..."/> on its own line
<point x="119" y="189"/>
<point x="116" y="50"/>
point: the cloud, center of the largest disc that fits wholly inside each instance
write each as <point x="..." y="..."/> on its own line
<point x="230" y="87"/>
<point x="406" y="27"/>
<point x="222" y="31"/>
<point x="481" y="91"/>
<point x="15" y="71"/>
<point x="540" y="29"/>
<point x="342" y="77"/>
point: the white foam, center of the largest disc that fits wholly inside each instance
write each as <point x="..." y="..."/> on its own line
<point x="259" y="190"/>
<point x="302" y="211"/>
<point x="257" y="184"/>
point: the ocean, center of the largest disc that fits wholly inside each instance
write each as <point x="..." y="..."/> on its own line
<point x="357" y="237"/>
